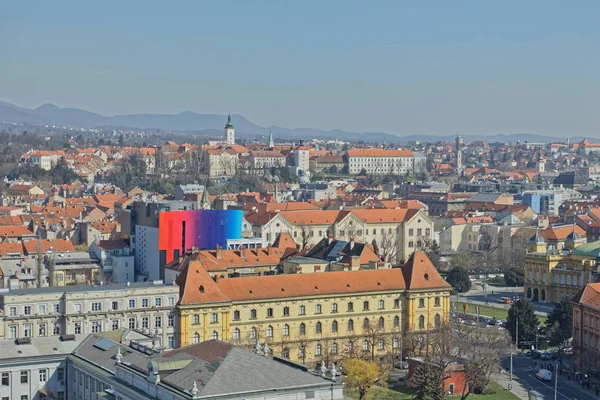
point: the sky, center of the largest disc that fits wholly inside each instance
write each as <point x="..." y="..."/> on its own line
<point x="401" y="67"/>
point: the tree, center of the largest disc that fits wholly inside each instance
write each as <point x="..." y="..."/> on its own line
<point x="428" y="378"/>
<point x="462" y="260"/>
<point x="363" y="172"/>
<point x="560" y="323"/>
<point x="522" y="311"/>
<point x="433" y="252"/>
<point x="362" y="375"/>
<point x="514" y="276"/>
<point x="458" y="278"/>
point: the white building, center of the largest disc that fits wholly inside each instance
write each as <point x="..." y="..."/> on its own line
<point x="380" y="161"/>
<point x="53" y="311"/>
<point x="35" y="369"/>
<point x="302" y="160"/>
<point x="266" y="159"/>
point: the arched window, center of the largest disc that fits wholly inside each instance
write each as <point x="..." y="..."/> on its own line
<point x="381" y="323"/>
<point x="286" y="330"/>
<point x="366" y="306"/>
<point x="334" y="307"/>
<point x="269" y="331"/>
<point x="318" y="309"/>
<point x="215" y="335"/>
<point x="396" y="321"/>
<point x="269" y="312"/>
<point x="196" y="338"/>
<point x="286" y="311"/>
<point x="350" y="325"/>
<point x="334" y="326"/>
<point x="253" y="333"/>
<point x="350" y="306"/>
<point x="201" y="288"/>
<point x="302" y="329"/>
<point x="421" y="322"/>
<point x="381" y="304"/>
<point x="318" y="327"/>
<point x="236" y="334"/>
<point x="285" y="353"/>
<point x="366" y="323"/>
<point x="318" y="350"/>
<point x="438" y="321"/>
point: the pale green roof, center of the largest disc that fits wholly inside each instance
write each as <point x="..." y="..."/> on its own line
<point x="588" y="249"/>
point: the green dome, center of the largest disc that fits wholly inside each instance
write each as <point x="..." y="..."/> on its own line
<point x="588" y="249"/>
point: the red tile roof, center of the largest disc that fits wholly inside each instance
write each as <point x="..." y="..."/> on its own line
<point x="419" y="273"/>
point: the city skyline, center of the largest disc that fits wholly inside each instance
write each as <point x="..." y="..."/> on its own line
<point x="398" y="68"/>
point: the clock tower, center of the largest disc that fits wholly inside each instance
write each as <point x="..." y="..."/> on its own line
<point x="229" y="131"/>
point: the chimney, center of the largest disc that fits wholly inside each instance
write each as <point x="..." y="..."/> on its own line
<point x="219" y="251"/>
<point x="351" y="243"/>
<point x="330" y="238"/>
<point x="354" y="262"/>
<point x="243" y="252"/>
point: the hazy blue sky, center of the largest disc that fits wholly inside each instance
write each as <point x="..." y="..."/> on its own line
<point x="399" y="67"/>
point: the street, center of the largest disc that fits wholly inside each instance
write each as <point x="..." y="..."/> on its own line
<point x="492" y="295"/>
<point x="524" y="373"/>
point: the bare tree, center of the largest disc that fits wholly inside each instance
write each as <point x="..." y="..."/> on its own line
<point x="304" y="235"/>
<point x="388" y="248"/>
<point x="39" y="262"/>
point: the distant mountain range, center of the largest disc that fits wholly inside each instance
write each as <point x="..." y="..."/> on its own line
<point x="210" y="124"/>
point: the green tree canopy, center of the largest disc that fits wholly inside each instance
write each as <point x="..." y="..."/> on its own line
<point x="428" y="378"/>
<point x="514" y="276"/>
<point x="559" y="324"/>
<point x="522" y="311"/>
<point x="458" y="278"/>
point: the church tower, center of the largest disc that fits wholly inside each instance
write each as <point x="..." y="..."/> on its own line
<point x="229" y="131"/>
<point x="459" y="143"/>
<point x="271" y="141"/>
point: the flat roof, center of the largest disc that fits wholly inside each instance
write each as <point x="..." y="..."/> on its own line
<point x="86" y="288"/>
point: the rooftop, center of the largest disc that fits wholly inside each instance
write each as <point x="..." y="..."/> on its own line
<point x="85" y="288"/>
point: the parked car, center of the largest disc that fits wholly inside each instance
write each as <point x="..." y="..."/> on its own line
<point x="534" y="354"/>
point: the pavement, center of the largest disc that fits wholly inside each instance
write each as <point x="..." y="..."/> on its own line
<point x="524" y="380"/>
<point x="492" y="295"/>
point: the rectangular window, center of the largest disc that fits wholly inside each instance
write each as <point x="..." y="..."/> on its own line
<point x="171" y="301"/>
<point x="437" y="301"/>
<point x="145" y="322"/>
<point x="132" y="323"/>
<point x="56" y="308"/>
<point x="60" y="374"/>
<point x="115" y="305"/>
<point x="42" y="309"/>
<point x="77" y="307"/>
<point x="12" y="332"/>
<point x="13" y="311"/>
<point x="158" y="321"/>
<point x="145" y="303"/>
<point x="170" y="320"/>
<point x="115" y="324"/>
<point x="421" y="303"/>
<point x="27" y="310"/>
<point x="5" y="379"/>
<point x="27" y="330"/>
<point x="77" y="328"/>
<point x="132" y="303"/>
<point x="411" y="232"/>
<point x="24" y="376"/>
<point x="302" y="310"/>
<point x="42" y="330"/>
<point x="96" y="306"/>
<point x="170" y="342"/>
<point x="96" y="326"/>
<point x="43" y="375"/>
<point x="158" y="301"/>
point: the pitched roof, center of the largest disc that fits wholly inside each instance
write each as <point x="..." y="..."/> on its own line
<point x="113" y="244"/>
<point x="561" y="232"/>
<point x="419" y="273"/>
<point x="57" y="245"/>
<point x="317" y="217"/>
<point x="15" y="231"/>
<point x="589" y="296"/>
<point x="284" y="241"/>
<point x="386" y="215"/>
<point x="6" y="248"/>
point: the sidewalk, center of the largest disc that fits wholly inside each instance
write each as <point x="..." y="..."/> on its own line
<point x="503" y="380"/>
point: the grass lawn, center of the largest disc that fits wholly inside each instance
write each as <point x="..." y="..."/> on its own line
<point x="496" y="392"/>
<point x="487" y="311"/>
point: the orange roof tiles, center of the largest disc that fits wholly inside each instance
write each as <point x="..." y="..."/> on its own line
<point x="386" y="215"/>
<point x="43" y="246"/>
<point x="419" y="273"/>
<point x="320" y="217"/>
<point x="6" y="248"/>
<point x="15" y="231"/>
<point x="561" y="232"/>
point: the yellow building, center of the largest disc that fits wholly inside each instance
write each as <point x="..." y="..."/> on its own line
<point x="553" y="274"/>
<point x="311" y="318"/>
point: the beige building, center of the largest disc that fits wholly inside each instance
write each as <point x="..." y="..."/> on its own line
<point x="220" y="162"/>
<point x="52" y="311"/>
<point x="46" y="160"/>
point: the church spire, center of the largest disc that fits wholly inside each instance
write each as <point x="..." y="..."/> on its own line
<point x="271" y="141"/>
<point x="229" y="123"/>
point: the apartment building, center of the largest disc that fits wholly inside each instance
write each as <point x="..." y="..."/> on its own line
<point x="35" y="369"/>
<point x="586" y="328"/>
<point x="311" y="318"/>
<point x="380" y="161"/>
<point x="53" y="311"/>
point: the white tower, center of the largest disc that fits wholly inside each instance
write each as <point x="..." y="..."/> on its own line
<point x="229" y="131"/>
